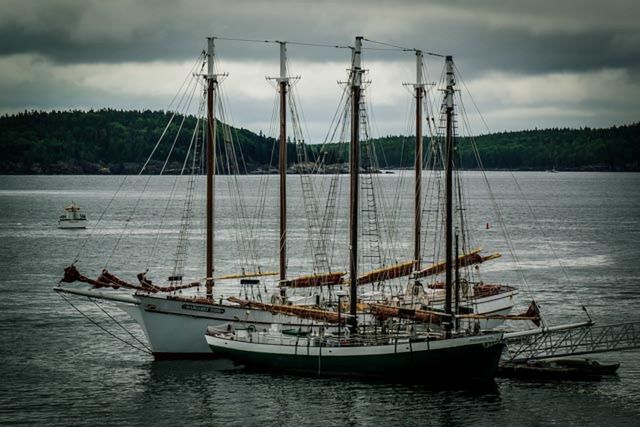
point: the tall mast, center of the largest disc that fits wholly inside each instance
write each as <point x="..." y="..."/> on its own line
<point x="211" y="163"/>
<point x="419" y="88"/>
<point x="354" y="168"/>
<point x="449" y="191"/>
<point x="283" y="82"/>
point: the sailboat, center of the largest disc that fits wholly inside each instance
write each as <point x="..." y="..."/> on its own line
<point x="426" y="356"/>
<point x="174" y="322"/>
<point x="489" y="305"/>
<point x="173" y="318"/>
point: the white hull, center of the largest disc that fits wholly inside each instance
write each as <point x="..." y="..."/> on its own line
<point x="268" y="344"/>
<point x="498" y="304"/>
<point x="175" y="329"/>
<point x="501" y="304"/>
<point x="70" y="224"/>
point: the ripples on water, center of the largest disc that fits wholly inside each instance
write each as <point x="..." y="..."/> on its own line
<point x="57" y="369"/>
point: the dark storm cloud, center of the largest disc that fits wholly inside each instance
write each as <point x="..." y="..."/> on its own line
<point x="531" y="63"/>
<point x="536" y="36"/>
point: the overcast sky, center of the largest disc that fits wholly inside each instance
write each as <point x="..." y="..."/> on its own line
<point x="528" y="64"/>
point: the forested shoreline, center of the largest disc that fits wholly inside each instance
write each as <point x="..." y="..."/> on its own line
<point x="118" y="142"/>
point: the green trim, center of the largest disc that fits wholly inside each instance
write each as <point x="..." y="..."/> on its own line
<point x="468" y="363"/>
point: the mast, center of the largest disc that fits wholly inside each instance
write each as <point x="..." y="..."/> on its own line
<point x="354" y="168"/>
<point x="449" y="191"/>
<point x="211" y="164"/>
<point x="283" y="82"/>
<point x="419" y="87"/>
<point x="456" y="294"/>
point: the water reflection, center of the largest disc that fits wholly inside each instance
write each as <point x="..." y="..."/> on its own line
<point x="219" y="391"/>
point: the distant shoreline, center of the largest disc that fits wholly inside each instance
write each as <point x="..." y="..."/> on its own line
<point x="389" y="172"/>
<point x="114" y="142"/>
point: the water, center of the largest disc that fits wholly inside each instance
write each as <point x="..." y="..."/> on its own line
<point x="59" y="369"/>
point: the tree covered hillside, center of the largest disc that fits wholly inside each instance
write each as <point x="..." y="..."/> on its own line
<point x="104" y="141"/>
<point x="616" y="149"/>
<point x="113" y="141"/>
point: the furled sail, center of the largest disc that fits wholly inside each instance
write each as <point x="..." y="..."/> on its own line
<point x="148" y="285"/>
<point x="386" y="273"/>
<point x="108" y="280"/>
<point x="383" y="312"/>
<point x="465" y="260"/>
<point x="314" y="280"/>
<point x="246" y="275"/>
<point x="303" y="312"/>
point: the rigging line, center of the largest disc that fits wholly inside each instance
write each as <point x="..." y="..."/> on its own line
<point x="177" y="108"/>
<point x="391" y="220"/>
<point x="536" y="221"/>
<point x="426" y="203"/>
<point x="235" y="39"/>
<point x="336" y="46"/>
<point x="144" y="189"/>
<point x="102" y="327"/>
<point x="183" y="236"/>
<point x="404" y="49"/>
<point x="263" y="186"/>
<point x="388" y="49"/>
<point x="119" y="324"/>
<point x="175" y="139"/>
<point x="313" y="222"/>
<point x="505" y="232"/>
<point x="104" y="211"/>
<point x="330" y="218"/>
<point x="201" y="57"/>
<point x="91" y="233"/>
<point x="200" y="188"/>
<point x="195" y="136"/>
<point x="506" y="235"/>
<point x="173" y="189"/>
<point x="267" y="174"/>
<point x="184" y="117"/>
<point x="335" y="120"/>
<point x="128" y="221"/>
<point x="230" y="158"/>
<point x="251" y="238"/>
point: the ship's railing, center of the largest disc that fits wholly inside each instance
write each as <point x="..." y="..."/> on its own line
<point x="582" y="339"/>
<point x="334" y="340"/>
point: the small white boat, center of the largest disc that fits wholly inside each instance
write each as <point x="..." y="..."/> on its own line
<point x="72" y="218"/>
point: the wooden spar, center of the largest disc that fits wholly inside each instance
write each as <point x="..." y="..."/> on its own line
<point x="532" y="314"/>
<point x="391" y="272"/>
<point x="246" y="275"/>
<point x="383" y="312"/>
<point x="464" y="260"/>
<point x="354" y="169"/>
<point x="283" y="83"/>
<point x="313" y="280"/>
<point x="418" y="162"/>
<point x="499" y="316"/>
<point x="211" y="165"/>
<point x="449" y="191"/>
<point x="303" y="312"/>
<point x="456" y="307"/>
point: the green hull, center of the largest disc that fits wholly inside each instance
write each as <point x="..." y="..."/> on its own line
<point x="470" y="363"/>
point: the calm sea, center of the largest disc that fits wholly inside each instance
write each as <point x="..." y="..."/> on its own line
<point x="576" y="237"/>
